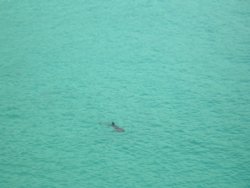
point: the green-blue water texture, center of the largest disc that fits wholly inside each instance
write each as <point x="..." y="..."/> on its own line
<point x="174" y="74"/>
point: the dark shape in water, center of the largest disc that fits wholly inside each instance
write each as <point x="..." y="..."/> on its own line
<point x="116" y="128"/>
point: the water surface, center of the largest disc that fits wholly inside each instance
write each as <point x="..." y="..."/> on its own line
<point x="174" y="74"/>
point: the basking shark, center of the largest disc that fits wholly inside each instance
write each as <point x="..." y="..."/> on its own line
<point x="116" y="128"/>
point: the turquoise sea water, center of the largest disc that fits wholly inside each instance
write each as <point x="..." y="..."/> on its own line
<point x="174" y="74"/>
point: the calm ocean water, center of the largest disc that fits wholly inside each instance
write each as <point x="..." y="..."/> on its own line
<point x="174" y="74"/>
